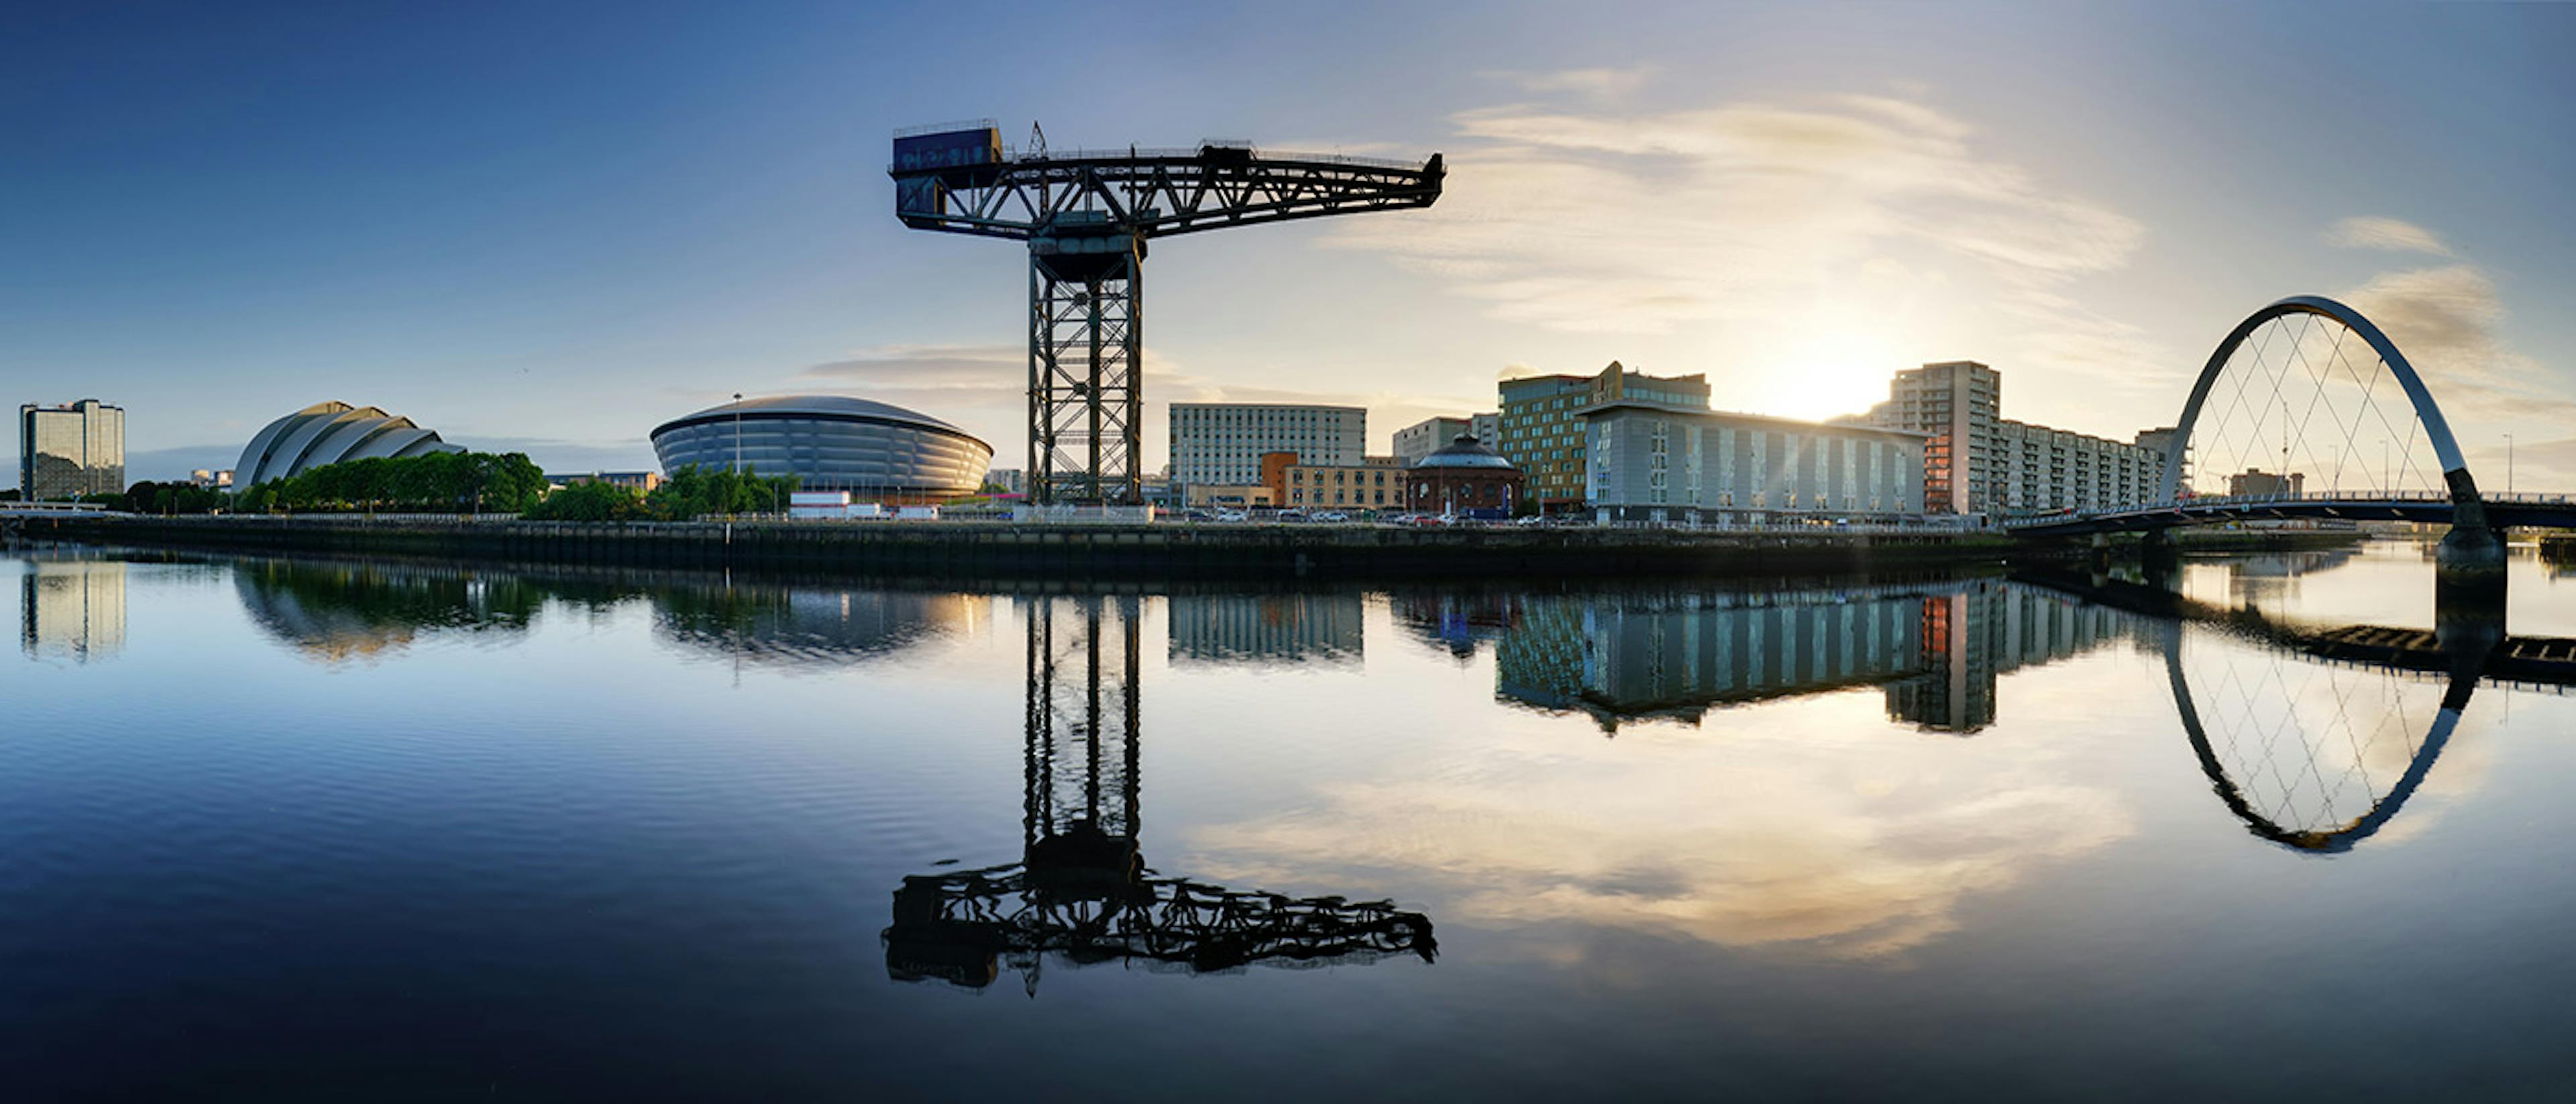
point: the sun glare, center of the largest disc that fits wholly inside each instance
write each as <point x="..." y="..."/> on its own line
<point x="1833" y="362"/>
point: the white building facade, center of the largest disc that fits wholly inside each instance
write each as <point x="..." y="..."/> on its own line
<point x="1649" y="462"/>
<point x="1222" y="443"/>
<point x="1430" y="435"/>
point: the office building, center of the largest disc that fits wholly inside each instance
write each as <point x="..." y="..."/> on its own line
<point x="1542" y="435"/>
<point x="831" y="443"/>
<point x="1651" y="462"/>
<point x="209" y="479"/>
<point x="1224" y="442"/>
<point x="329" y="433"/>
<point x="71" y="450"/>
<point x="1977" y="462"/>
<point x="2256" y="483"/>
<point x="1375" y="483"/>
<point x="1429" y="435"/>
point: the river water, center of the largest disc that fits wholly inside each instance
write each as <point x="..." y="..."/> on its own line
<point x="311" y="830"/>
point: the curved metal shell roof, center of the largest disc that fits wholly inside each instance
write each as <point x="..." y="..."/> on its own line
<point x="818" y="406"/>
<point x="328" y="433"/>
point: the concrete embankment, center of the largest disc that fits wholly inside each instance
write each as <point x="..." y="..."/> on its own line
<point x="973" y="548"/>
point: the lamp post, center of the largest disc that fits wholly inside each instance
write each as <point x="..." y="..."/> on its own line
<point x="2508" y="463"/>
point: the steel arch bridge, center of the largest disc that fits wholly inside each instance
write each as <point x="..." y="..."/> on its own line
<point x="2327" y="388"/>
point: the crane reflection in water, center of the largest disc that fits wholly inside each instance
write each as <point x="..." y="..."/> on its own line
<point x="1081" y="892"/>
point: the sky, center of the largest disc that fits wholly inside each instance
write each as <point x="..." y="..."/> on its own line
<point x="550" y="228"/>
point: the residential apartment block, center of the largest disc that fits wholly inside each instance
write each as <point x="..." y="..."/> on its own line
<point x="1978" y="462"/>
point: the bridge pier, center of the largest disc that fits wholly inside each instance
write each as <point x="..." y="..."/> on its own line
<point x="2469" y="590"/>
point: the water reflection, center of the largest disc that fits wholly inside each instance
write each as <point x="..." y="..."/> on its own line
<point x="2271" y="577"/>
<point x="2312" y="754"/>
<point x="72" y="609"/>
<point x="1455" y="622"/>
<point x="1936" y="648"/>
<point x="2314" y="737"/>
<point x="1219" y="628"/>
<point x="341" y="612"/>
<point x="1081" y="893"/>
<point x="336" y="612"/>
<point x="809" y="626"/>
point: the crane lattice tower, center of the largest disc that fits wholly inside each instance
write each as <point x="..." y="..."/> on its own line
<point x="1087" y="215"/>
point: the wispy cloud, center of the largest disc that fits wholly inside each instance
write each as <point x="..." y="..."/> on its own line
<point x="2386" y="233"/>
<point x="1746" y="214"/>
<point x="1599" y="83"/>
<point x="2444" y="319"/>
<point x="1848" y="857"/>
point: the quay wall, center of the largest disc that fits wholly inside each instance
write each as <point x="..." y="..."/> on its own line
<point x="949" y="549"/>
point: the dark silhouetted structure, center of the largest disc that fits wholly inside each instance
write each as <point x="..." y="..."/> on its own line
<point x="1086" y="215"/>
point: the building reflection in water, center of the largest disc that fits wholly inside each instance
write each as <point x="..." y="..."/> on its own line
<point x="1936" y="649"/>
<point x="1080" y="892"/>
<point x="1455" y="622"/>
<point x="72" y="609"/>
<point x="810" y="626"/>
<point x="1268" y="628"/>
<point x="337" y="612"/>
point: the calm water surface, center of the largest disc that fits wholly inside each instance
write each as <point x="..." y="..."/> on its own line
<point x="300" y="830"/>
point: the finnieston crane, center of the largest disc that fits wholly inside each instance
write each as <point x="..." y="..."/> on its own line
<point x="1086" y="215"/>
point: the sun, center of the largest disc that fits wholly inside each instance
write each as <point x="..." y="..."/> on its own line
<point x="1836" y="360"/>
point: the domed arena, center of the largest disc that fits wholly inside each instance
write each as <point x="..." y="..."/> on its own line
<point x="328" y="433"/>
<point x="832" y="443"/>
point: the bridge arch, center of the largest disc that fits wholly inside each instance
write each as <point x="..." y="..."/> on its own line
<point x="2446" y="449"/>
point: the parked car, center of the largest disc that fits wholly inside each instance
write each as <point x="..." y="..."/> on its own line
<point x="1332" y="515"/>
<point x="1233" y="515"/>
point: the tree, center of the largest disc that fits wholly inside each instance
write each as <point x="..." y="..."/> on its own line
<point x="595" y="500"/>
<point x="439" y="482"/>
<point x="694" y="492"/>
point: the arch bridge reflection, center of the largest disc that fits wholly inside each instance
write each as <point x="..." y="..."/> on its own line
<point x="1081" y="892"/>
<point x="2316" y="737"/>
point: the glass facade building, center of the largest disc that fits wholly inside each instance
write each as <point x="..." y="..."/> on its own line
<point x="1541" y="431"/>
<point x="72" y="450"/>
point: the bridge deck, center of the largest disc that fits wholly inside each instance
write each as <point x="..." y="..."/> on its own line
<point x="2510" y="511"/>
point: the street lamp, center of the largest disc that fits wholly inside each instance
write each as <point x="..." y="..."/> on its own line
<point x="2508" y="463"/>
